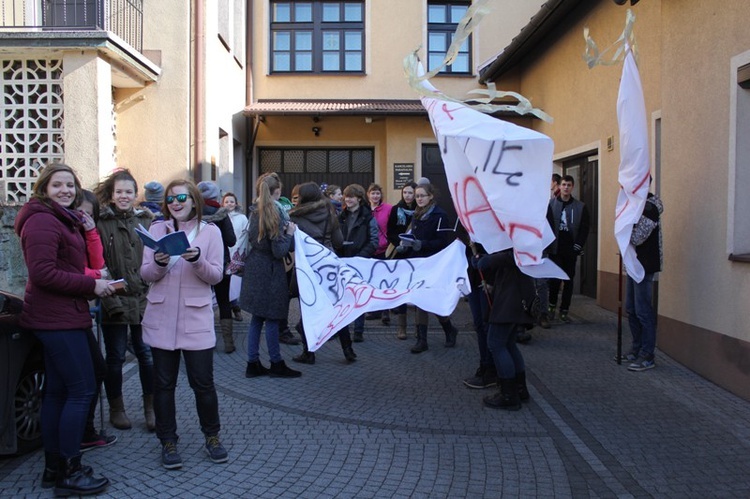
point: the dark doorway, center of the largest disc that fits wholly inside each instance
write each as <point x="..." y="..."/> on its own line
<point x="432" y="168"/>
<point x="584" y="169"/>
<point x="322" y="165"/>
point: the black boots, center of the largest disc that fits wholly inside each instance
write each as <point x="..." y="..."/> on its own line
<point x="306" y="357"/>
<point x="421" y="344"/>
<point x="346" y="345"/>
<point x="281" y="370"/>
<point x="73" y="480"/>
<point x="507" y="398"/>
<point x="523" y="391"/>
<point x="255" y="369"/>
<point x="51" y="464"/>
<point x="451" y="333"/>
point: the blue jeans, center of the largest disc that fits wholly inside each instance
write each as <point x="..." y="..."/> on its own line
<point x="69" y="388"/>
<point x="115" y="347"/>
<point x="199" y="365"/>
<point x="479" y="305"/>
<point x="641" y="316"/>
<point x="501" y="340"/>
<point x="272" y="339"/>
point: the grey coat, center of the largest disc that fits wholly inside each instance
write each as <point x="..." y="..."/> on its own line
<point x="265" y="290"/>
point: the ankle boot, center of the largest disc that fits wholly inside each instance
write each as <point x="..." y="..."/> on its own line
<point x="523" y="391"/>
<point x="148" y="412"/>
<point x="255" y="369"/>
<point x="117" y="415"/>
<point x="346" y="346"/>
<point x="51" y="463"/>
<point x="237" y="313"/>
<point x="226" y="333"/>
<point x="72" y="480"/>
<point x="421" y="344"/>
<point x="451" y="333"/>
<point x="306" y="357"/>
<point x="507" y="398"/>
<point x="281" y="370"/>
<point x="401" y="331"/>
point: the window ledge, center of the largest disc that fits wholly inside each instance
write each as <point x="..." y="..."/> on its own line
<point x="742" y="258"/>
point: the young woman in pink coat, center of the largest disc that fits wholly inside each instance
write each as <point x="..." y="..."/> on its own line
<point x="179" y="318"/>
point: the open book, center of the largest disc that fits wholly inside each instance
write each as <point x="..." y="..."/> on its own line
<point x="173" y="244"/>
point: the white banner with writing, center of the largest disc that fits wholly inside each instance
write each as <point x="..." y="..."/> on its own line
<point x="499" y="176"/>
<point x="334" y="291"/>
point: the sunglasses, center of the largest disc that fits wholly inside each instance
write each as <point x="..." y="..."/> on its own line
<point x="180" y="198"/>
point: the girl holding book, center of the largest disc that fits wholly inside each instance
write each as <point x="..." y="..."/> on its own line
<point x="179" y="319"/>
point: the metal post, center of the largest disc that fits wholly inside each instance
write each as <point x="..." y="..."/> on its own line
<point x="619" y="312"/>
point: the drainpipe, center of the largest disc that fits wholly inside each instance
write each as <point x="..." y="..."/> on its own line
<point x="249" y="135"/>
<point x="199" y="74"/>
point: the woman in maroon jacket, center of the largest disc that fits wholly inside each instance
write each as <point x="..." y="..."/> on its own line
<point x="56" y="309"/>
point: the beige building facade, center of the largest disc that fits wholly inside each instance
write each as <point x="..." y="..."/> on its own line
<point x="334" y="106"/>
<point x="694" y="60"/>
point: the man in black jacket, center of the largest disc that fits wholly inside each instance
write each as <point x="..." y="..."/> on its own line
<point x="571" y="226"/>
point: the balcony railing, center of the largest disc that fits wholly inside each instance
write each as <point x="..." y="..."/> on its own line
<point x="122" y="17"/>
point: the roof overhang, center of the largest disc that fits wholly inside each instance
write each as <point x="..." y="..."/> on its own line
<point x="270" y="107"/>
<point x="130" y="68"/>
<point x="539" y="33"/>
<point x="319" y="108"/>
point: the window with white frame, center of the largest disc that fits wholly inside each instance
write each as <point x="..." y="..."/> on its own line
<point x="317" y="37"/>
<point x="442" y="20"/>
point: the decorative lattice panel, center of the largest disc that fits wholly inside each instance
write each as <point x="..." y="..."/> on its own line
<point x="31" y="123"/>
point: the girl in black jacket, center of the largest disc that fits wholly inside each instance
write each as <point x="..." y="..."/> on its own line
<point x="431" y="232"/>
<point x="360" y="231"/>
<point x="513" y="293"/>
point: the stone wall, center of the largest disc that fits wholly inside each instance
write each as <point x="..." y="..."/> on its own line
<point x="13" y="273"/>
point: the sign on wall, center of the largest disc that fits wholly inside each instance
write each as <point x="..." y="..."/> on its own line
<point x="402" y="173"/>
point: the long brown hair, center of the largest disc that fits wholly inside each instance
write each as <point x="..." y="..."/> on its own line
<point x="269" y="218"/>
<point x="40" y="186"/>
<point x="106" y="188"/>
<point x="194" y="193"/>
<point x="431" y="190"/>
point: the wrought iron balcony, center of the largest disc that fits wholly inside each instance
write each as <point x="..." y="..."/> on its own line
<point x="124" y="18"/>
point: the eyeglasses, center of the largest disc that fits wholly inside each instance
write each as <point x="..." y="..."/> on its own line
<point x="180" y="198"/>
<point x="420" y="196"/>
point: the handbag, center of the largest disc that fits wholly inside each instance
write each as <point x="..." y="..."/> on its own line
<point x="236" y="264"/>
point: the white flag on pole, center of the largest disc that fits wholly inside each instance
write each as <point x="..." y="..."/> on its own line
<point x="634" y="171"/>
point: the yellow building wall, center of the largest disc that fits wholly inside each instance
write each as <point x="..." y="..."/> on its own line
<point x="153" y="123"/>
<point x="705" y="288"/>
<point x="394" y="28"/>
<point x="583" y="103"/>
<point x="685" y="52"/>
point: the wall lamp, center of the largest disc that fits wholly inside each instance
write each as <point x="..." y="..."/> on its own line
<point x="316" y="130"/>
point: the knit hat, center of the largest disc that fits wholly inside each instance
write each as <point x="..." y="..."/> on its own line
<point x="423" y="181"/>
<point x="209" y="190"/>
<point x="154" y="192"/>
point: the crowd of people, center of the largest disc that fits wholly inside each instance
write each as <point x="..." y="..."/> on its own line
<point x="80" y="246"/>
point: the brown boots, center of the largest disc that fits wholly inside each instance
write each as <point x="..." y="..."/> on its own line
<point x="227" y="334"/>
<point x="117" y="415"/>
<point x="119" y="418"/>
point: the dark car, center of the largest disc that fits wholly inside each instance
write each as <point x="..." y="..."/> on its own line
<point x="21" y="381"/>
